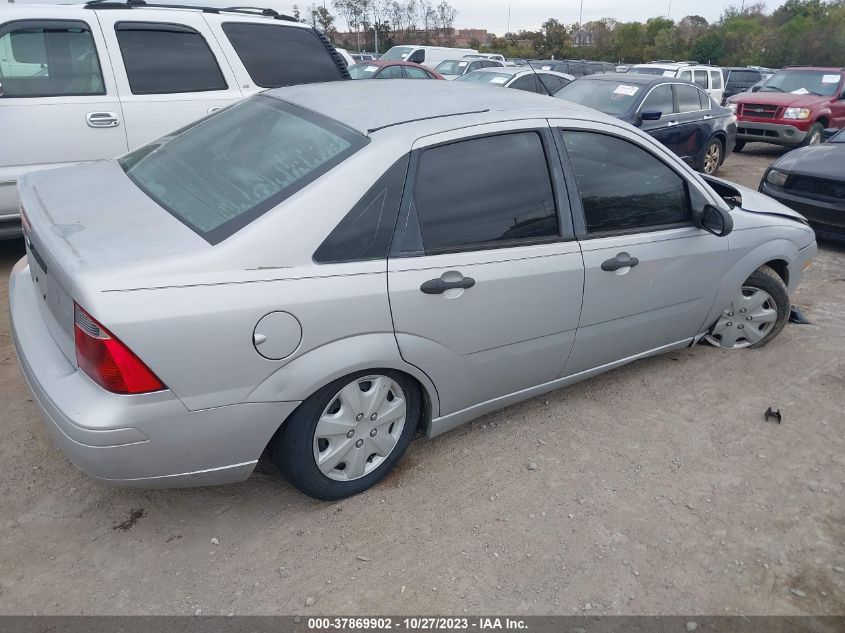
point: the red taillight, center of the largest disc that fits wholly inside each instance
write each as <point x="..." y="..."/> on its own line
<point x="107" y="361"/>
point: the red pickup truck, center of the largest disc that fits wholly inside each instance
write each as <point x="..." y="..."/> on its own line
<point x="792" y="107"/>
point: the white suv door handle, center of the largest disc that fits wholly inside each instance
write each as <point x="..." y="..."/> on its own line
<point x="102" y="119"/>
<point x="213" y="109"/>
<point x="671" y="123"/>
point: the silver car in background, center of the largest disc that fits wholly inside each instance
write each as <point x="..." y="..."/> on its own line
<point x="322" y="271"/>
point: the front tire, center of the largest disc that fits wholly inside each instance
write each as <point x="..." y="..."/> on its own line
<point x="814" y="136"/>
<point x="710" y="158"/>
<point x="347" y="436"/>
<point x="755" y="316"/>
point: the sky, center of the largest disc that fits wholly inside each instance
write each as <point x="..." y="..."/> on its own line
<point x="530" y="14"/>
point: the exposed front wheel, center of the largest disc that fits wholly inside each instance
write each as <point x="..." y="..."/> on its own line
<point x="710" y="158"/>
<point x="349" y="434"/>
<point x="814" y="136"/>
<point x="755" y="316"/>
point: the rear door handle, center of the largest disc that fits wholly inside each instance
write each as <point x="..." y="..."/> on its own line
<point x="622" y="260"/>
<point x="439" y="286"/>
<point x="102" y="119"/>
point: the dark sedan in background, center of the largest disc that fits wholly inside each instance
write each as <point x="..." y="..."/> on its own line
<point x="811" y="180"/>
<point x="677" y="113"/>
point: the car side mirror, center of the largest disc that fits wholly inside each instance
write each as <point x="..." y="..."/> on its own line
<point x="418" y="57"/>
<point x="755" y="88"/>
<point x="651" y="115"/>
<point x="715" y="221"/>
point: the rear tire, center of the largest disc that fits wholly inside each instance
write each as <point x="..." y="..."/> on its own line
<point x="347" y="436"/>
<point x="814" y="136"/>
<point x="710" y="158"/>
<point x="739" y="146"/>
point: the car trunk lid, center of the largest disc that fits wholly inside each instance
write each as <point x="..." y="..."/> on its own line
<point x="87" y="218"/>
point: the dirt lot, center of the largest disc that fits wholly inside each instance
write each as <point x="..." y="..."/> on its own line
<point x="659" y="489"/>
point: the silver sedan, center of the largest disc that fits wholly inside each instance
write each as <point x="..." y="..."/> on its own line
<point x="322" y="271"/>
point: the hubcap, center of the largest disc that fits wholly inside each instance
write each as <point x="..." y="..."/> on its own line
<point x="816" y="138"/>
<point x="360" y="428"/>
<point x="711" y="158"/>
<point x="747" y="321"/>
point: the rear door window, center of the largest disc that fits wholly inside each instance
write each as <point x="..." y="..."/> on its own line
<point x="463" y="204"/>
<point x="167" y="59"/>
<point x="688" y="99"/>
<point x="49" y="58"/>
<point x="276" y="55"/>
<point x="700" y="77"/>
<point x="221" y="173"/>
<point x="416" y="73"/>
<point x="716" y="80"/>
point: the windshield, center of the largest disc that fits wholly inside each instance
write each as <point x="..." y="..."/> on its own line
<point x="363" y="71"/>
<point x="839" y="137"/>
<point x="226" y="170"/>
<point x="803" y="82"/>
<point x="652" y="70"/>
<point x="610" y="97"/>
<point x="478" y="77"/>
<point x="398" y="52"/>
<point x="452" y="67"/>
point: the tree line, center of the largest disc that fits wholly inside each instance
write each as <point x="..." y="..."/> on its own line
<point x="798" y="32"/>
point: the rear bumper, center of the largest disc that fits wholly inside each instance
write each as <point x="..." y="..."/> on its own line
<point x="149" y="440"/>
<point x="826" y="218"/>
<point x="777" y="133"/>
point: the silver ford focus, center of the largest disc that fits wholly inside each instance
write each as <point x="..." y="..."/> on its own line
<point x="322" y="271"/>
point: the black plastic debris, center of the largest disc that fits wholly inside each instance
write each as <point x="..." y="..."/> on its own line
<point x="773" y="414"/>
<point x="796" y="316"/>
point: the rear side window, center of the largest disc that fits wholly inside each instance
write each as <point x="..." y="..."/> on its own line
<point x="276" y="55"/>
<point x="416" y="73"/>
<point x="366" y="231"/>
<point x="623" y="187"/>
<point x="700" y="77"/>
<point x="716" y="79"/>
<point x="49" y="58"/>
<point x="221" y="173"/>
<point x="167" y="59"/>
<point x="463" y="203"/>
<point x="688" y="99"/>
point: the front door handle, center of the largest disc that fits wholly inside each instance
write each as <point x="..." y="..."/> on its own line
<point x="102" y="119"/>
<point x="672" y="123"/>
<point x="622" y="260"/>
<point x="439" y="286"/>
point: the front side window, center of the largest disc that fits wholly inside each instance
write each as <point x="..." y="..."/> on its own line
<point x="167" y="59"/>
<point x="218" y="175"/>
<point x="526" y="82"/>
<point x="49" y="58"/>
<point x="623" y="187"/>
<point x="686" y="75"/>
<point x="462" y="201"/>
<point x="688" y="98"/>
<point x="262" y="46"/>
<point x="660" y="100"/>
<point x="398" y="53"/>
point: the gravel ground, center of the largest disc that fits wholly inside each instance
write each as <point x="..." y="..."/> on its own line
<point x="658" y="489"/>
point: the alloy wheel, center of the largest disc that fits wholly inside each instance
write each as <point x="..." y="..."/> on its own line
<point x="746" y="321"/>
<point x="359" y="428"/>
<point x="711" y="158"/>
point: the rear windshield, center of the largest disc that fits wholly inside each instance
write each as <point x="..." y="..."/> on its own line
<point x="497" y="79"/>
<point x="652" y="70"/>
<point x="749" y="77"/>
<point x="363" y="70"/>
<point x="221" y="173"/>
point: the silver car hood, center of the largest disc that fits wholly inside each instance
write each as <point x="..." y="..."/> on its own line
<point x="754" y="201"/>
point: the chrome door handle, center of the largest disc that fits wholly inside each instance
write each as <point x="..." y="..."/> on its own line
<point x="622" y="260"/>
<point x="102" y="119"/>
<point x="213" y="109"/>
<point x="707" y="117"/>
<point x="671" y="123"/>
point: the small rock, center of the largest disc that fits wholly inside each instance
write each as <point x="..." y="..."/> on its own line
<point x="798" y="592"/>
<point x="215" y="541"/>
<point x="839" y="569"/>
<point x="230" y="615"/>
<point x="542" y="442"/>
<point x="636" y="573"/>
<point x="532" y="466"/>
<point x="571" y="516"/>
<point x="492" y="498"/>
<point x="309" y="601"/>
<point x="198" y="612"/>
<point x="363" y="559"/>
<point x="692" y="626"/>
<point x="588" y="607"/>
<point x="690" y="506"/>
<point x="402" y="590"/>
<point x="582" y="501"/>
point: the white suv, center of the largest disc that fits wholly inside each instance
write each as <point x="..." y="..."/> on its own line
<point x="88" y="82"/>
<point x="707" y="77"/>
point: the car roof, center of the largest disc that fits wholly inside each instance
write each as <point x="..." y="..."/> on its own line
<point x="368" y="106"/>
<point x="117" y="5"/>
<point x="833" y="69"/>
<point x="631" y="78"/>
